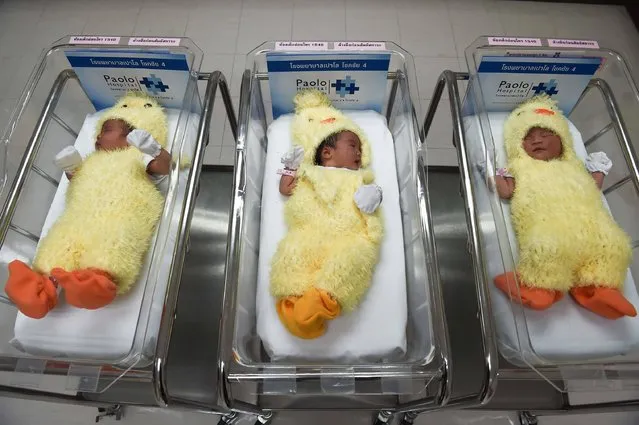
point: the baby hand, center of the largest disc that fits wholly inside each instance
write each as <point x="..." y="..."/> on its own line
<point x="68" y="159"/>
<point x="368" y="197"/>
<point x="598" y="162"/>
<point x="144" y="141"/>
<point x="293" y="158"/>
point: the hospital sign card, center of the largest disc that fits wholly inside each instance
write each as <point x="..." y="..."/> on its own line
<point x="507" y="81"/>
<point x="107" y="75"/>
<point x="350" y="80"/>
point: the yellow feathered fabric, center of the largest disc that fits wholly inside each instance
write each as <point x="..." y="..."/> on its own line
<point x="112" y="207"/>
<point x="330" y="244"/>
<point x="566" y="236"/>
<point x="109" y="219"/>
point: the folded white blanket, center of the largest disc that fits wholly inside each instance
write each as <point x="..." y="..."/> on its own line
<point x="566" y="331"/>
<point x="124" y="327"/>
<point x="377" y="329"/>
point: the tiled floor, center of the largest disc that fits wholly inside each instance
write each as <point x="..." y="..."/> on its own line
<point x="436" y="32"/>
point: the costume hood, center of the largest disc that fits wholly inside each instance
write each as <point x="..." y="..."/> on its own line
<point x="316" y="119"/>
<point x="139" y="111"/>
<point x="538" y="111"/>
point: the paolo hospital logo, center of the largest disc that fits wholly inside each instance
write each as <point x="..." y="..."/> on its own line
<point x="525" y="88"/>
<point x="342" y="86"/>
<point x="151" y="83"/>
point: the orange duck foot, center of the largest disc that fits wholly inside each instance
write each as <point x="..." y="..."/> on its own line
<point x="34" y="294"/>
<point x="306" y="316"/>
<point x="535" y="298"/>
<point x="87" y="288"/>
<point x="606" y="302"/>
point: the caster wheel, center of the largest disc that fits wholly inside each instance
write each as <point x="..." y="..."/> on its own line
<point x="527" y="418"/>
<point x="229" y="419"/>
<point x="383" y="418"/>
<point x="264" y="419"/>
<point x="408" y="418"/>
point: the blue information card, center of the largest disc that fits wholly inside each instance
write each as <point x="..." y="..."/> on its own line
<point x="351" y="80"/>
<point x="507" y="81"/>
<point x="107" y="75"/>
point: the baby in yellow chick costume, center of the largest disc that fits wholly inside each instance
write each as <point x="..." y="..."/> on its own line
<point x="568" y="241"/>
<point x="95" y="249"/>
<point x="326" y="261"/>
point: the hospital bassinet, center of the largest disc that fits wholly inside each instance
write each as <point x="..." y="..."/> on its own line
<point x="82" y="350"/>
<point x="253" y="380"/>
<point x="570" y="349"/>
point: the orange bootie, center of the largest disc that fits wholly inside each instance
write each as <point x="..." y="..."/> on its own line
<point x="306" y="316"/>
<point x="606" y="302"/>
<point x="535" y="298"/>
<point x="88" y="288"/>
<point x="34" y="294"/>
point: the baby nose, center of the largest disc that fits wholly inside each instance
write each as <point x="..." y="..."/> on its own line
<point x="327" y="120"/>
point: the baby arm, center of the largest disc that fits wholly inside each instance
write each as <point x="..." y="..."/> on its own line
<point x="287" y="184"/>
<point x="291" y="160"/>
<point x="505" y="184"/>
<point x="598" y="164"/>
<point x="69" y="160"/>
<point x="160" y="165"/>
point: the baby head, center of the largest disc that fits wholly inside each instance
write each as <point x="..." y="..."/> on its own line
<point x="340" y="150"/>
<point x="542" y="144"/>
<point x="328" y="136"/>
<point x="537" y="129"/>
<point x="112" y="135"/>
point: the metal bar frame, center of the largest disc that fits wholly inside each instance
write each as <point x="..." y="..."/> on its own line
<point x="215" y="79"/>
<point x="450" y="79"/>
<point x="226" y="400"/>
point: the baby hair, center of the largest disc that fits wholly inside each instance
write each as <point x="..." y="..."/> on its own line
<point x="329" y="142"/>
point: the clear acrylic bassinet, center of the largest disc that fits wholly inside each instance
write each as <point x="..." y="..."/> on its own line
<point x="54" y="111"/>
<point x="252" y="381"/>
<point x="602" y="120"/>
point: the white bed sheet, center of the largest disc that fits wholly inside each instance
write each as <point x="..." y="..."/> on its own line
<point x="112" y="332"/>
<point x="377" y="329"/>
<point x="565" y="332"/>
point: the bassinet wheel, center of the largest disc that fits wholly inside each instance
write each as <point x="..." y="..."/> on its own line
<point x="527" y="418"/>
<point x="264" y="419"/>
<point x="228" y="419"/>
<point x="408" y="418"/>
<point x="383" y="418"/>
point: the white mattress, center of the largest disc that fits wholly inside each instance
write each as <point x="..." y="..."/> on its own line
<point x="377" y="329"/>
<point x="566" y="331"/>
<point x="113" y="332"/>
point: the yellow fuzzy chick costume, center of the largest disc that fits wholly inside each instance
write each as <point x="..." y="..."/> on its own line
<point x="566" y="236"/>
<point x="111" y="210"/>
<point x="326" y="261"/>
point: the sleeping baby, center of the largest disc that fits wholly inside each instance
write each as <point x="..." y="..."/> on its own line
<point x="325" y="263"/>
<point x="568" y="241"/>
<point x="96" y="248"/>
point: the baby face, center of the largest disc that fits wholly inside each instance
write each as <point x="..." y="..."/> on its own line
<point x="542" y="144"/>
<point x="113" y="136"/>
<point x="347" y="152"/>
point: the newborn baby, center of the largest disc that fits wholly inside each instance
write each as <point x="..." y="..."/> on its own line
<point x="568" y="241"/>
<point x="325" y="263"/>
<point x="96" y="247"/>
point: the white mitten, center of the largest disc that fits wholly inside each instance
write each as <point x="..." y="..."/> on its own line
<point x="143" y="140"/>
<point x="293" y="158"/>
<point x="598" y="161"/>
<point x="368" y="197"/>
<point x="68" y="159"/>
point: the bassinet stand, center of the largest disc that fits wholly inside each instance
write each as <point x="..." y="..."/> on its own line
<point x="558" y="402"/>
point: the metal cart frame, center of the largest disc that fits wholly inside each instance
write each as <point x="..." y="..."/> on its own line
<point x="450" y="80"/>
